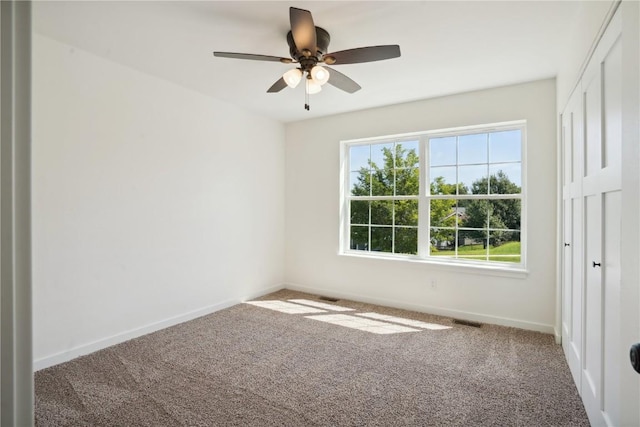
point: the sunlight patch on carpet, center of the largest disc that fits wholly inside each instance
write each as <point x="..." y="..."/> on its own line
<point x="403" y="321"/>
<point x="285" y="307"/>
<point x="323" y="305"/>
<point x="367" y="325"/>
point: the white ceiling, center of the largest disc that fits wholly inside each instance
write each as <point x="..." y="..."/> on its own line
<point x="447" y="46"/>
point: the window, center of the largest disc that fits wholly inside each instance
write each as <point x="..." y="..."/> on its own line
<point x="384" y="187"/>
<point x="469" y="209"/>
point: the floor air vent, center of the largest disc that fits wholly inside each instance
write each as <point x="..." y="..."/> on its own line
<point x="467" y="323"/>
<point x="323" y="298"/>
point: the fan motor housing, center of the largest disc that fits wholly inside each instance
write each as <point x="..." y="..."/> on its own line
<point x="322" y="44"/>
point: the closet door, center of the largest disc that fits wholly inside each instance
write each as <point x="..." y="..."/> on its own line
<point x="572" y="292"/>
<point x="601" y="187"/>
<point x="611" y="188"/>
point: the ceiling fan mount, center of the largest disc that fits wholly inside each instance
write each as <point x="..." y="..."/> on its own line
<point x="308" y="47"/>
<point x="322" y="46"/>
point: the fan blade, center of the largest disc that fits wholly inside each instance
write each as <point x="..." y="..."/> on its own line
<point x="341" y="81"/>
<point x="277" y="86"/>
<point x="252" y="57"/>
<point x="303" y="30"/>
<point x="363" y="54"/>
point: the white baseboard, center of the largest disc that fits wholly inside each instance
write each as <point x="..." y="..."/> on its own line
<point x="457" y="314"/>
<point x="262" y="292"/>
<point x="91" y="347"/>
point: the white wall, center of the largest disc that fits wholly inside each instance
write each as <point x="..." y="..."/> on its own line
<point x="313" y="201"/>
<point x="151" y="203"/>
<point x="585" y="27"/>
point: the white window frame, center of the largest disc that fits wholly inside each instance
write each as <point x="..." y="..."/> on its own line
<point x="424" y="198"/>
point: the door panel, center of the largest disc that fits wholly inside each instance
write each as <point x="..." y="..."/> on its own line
<point x="612" y="104"/>
<point x="576" y="288"/>
<point x="593" y="126"/>
<point x="592" y="357"/>
<point x="567" y="290"/>
<point x="611" y="277"/>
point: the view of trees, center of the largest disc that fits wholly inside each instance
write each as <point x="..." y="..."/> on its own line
<point x="398" y="175"/>
<point x="478" y="221"/>
<point x="502" y="214"/>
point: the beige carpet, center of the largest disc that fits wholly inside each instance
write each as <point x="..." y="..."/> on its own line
<point x="254" y="366"/>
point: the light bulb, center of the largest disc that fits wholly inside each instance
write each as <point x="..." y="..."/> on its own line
<point x="320" y="74"/>
<point x="313" y="87"/>
<point x="292" y="77"/>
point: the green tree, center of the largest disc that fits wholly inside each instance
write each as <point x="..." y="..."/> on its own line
<point x="496" y="213"/>
<point x="444" y="212"/>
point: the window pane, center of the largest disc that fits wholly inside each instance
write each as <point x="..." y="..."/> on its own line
<point x="408" y="182"/>
<point x="472" y="244"/>
<point x="382" y="212"/>
<point x="443" y="180"/>
<point x="406" y="212"/>
<point x="505" y="146"/>
<point x="407" y="174"/>
<point x="381" y="239"/>
<point x="382" y="155"/>
<point x="472" y="149"/>
<point x="505" y="178"/>
<point x="476" y="213"/>
<point x="359" y="157"/>
<point x="472" y="240"/>
<point x="473" y="179"/>
<point x="359" y="212"/>
<point x="360" y="183"/>
<point x="505" y="214"/>
<point x="406" y="240"/>
<point x="407" y="154"/>
<point x="382" y="182"/>
<point x="359" y="238"/>
<point x="442" y="151"/>
<point x="443" y="242"/>
<point x="443" y="213"/>
<point x="505" y="247"/>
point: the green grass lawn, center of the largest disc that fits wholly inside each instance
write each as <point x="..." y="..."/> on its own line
<point x="508" y="252"/>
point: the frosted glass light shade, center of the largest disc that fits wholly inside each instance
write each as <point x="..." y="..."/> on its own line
<point x="313" y="87"/>
<point x="292" y="77"/>
<point x="320" y="74"/>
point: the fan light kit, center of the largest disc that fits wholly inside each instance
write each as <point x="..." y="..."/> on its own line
<point x="308" y="46"/>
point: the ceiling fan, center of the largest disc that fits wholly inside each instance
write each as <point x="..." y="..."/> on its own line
<point x="308" y="47"/>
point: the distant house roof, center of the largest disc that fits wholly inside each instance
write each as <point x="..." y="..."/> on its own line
<point x="459" y="211"/>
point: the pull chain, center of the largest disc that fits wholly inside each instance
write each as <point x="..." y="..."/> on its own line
<point x="306" y="94"/>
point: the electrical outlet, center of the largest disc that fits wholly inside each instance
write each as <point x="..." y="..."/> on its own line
<point x="434" y="284"/>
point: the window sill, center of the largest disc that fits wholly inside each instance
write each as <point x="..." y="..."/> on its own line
<point x="452" y="266"/>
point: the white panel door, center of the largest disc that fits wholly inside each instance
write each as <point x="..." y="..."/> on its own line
<point x="600" y="160"/>
<point x="610" y="188"/>
<point x="591" y="385"/>
<point x="572" y="142"/>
